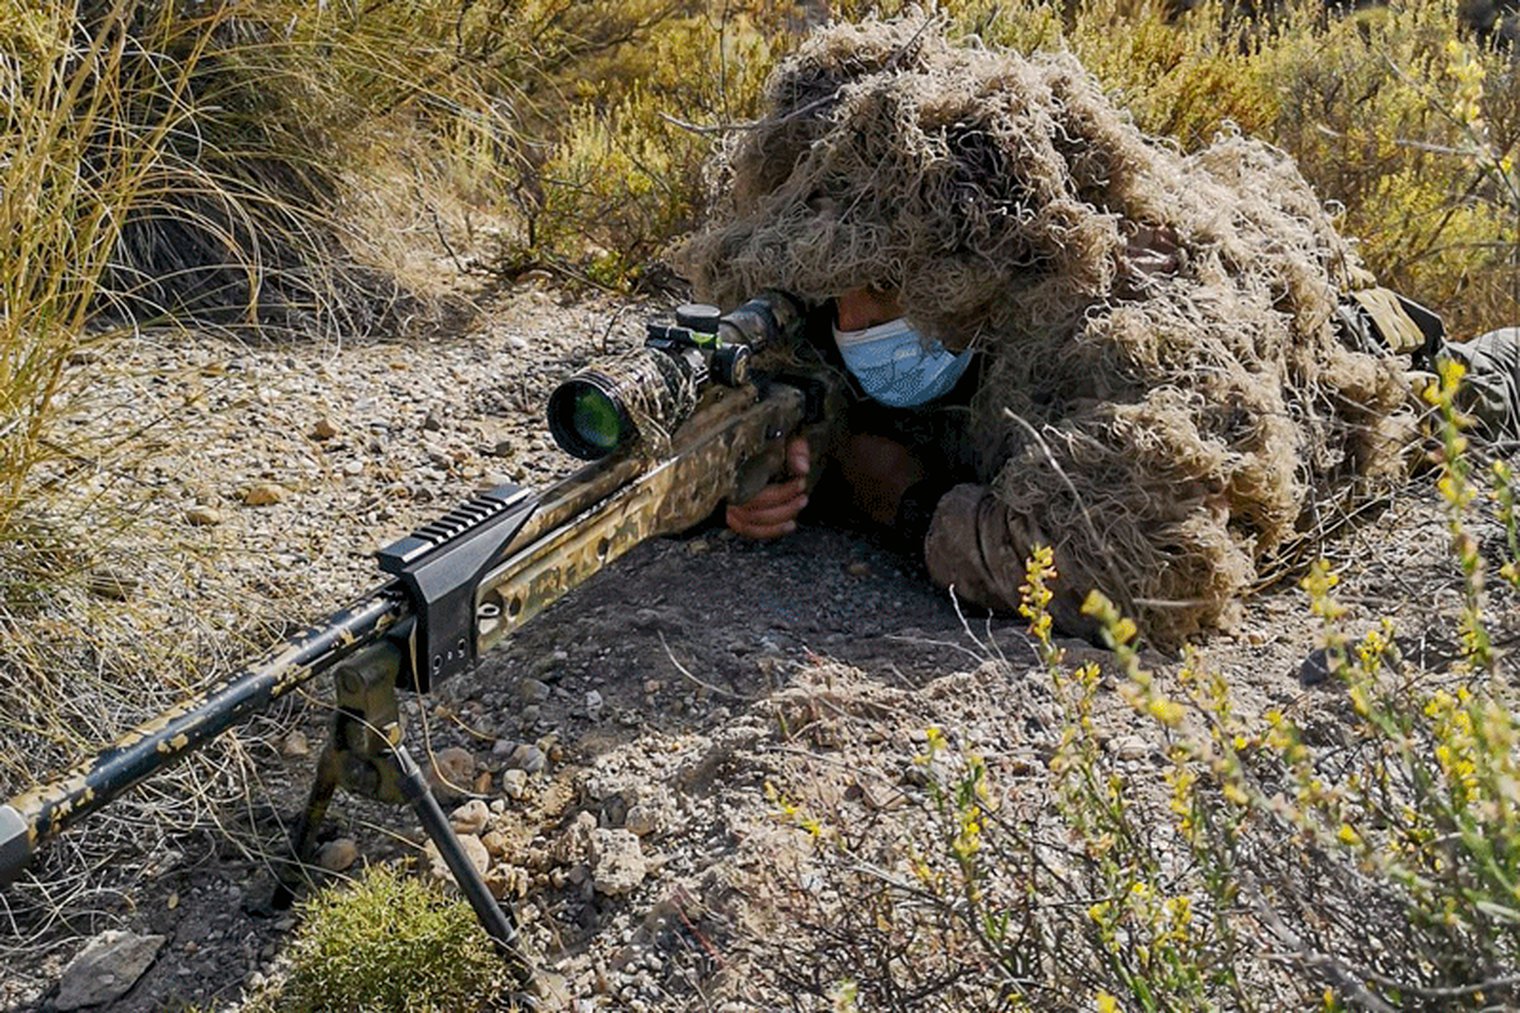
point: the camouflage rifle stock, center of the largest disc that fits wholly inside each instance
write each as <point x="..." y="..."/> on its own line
<point x="675" y="429"/>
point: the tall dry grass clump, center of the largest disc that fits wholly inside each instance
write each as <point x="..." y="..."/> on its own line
<point x="77" y="164"/>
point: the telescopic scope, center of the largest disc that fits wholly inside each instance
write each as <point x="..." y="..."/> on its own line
<point x="614" y="401"/>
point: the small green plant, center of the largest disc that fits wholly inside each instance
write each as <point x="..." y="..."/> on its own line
<point x="390" y="942"/>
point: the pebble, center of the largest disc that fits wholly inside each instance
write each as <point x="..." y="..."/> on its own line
<point x="263" y="494"/>
<point x="594" y="704"/>
<point x="294" y="746"/>
<point x="473" y="850"/>
<point x="533" y="691"/>
<point x="514" y="783"/>
<point x="338" y="855"/>
<point x="431" y="422"/>
<point x="470" y="818"/>
<point x="1130" y="747"/>
<point x="323" y="429"/>
<point x="528" y="758"/>
<point x="203" y="516"/>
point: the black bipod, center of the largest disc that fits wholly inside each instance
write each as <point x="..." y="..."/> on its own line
<point x="365" y="756"/>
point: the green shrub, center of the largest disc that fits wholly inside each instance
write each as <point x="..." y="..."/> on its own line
<point x="390" y="942"/>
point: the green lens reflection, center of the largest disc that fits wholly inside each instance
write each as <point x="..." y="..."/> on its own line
<point x="596" y="420"/>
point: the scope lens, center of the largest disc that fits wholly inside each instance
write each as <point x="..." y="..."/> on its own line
<point x="587" y="420"/>
<point x="596" y="419"/>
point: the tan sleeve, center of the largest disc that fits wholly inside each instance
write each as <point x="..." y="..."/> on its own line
<point x="978" y="547"/>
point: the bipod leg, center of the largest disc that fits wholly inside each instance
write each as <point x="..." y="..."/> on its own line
<point x="497" y="922"/>
<point x="303" y="836"/>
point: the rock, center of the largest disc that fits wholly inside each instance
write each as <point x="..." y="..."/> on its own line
<point x="294" y="746"/>
<point x="503" y="747"/>
<point x="529" y="759"/>
<point x="614" y="811"/>
<point x="470" y="818"/>
<point x="106" y="969"/>
<point x="338" y="855"/>
<point x="533" y="691"/>
<point x="496" y="843"/>
<point x="203" y="516"/>
<point x="502" y="448"/>
<point x="1315" y="668"/>
<point x="324" y="430"/>
<point x="452" y="771"/>
<point x="594" y="704"/>
<point x="514" y="783"/>
<point x="641" y="820"/>
<point x="507" y="881"/>
<point x="574" y="845"/>
<point x="1129" y="747"/>
<point x="431" y="422"/>
<point x="473" y="850"/>
<point x="263" y="494"/>
<point x="617" y="864"/>
<point x="483" y="782"/>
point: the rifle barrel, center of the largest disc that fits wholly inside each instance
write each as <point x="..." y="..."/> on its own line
<point x="48" y="809"/>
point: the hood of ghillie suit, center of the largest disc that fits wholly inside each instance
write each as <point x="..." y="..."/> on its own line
<point x="1173" y="435"/>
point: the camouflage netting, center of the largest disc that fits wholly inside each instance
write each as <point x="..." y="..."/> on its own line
<point x="1171" y="433"/>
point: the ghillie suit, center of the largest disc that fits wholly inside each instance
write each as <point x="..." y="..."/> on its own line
<point x="1170" y="430"/>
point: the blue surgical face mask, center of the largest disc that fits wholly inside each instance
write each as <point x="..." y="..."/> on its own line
<point x="895" y="366"/>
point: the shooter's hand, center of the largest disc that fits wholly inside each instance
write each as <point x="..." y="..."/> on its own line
<point x="772" y="512"/>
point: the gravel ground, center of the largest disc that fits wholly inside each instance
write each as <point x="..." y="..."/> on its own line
<point x="621" y="746"/>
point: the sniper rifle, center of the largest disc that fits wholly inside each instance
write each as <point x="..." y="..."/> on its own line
<point x="671" y="429"/>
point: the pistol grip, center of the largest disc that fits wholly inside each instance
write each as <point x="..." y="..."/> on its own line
<point x="760" y="471"/>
